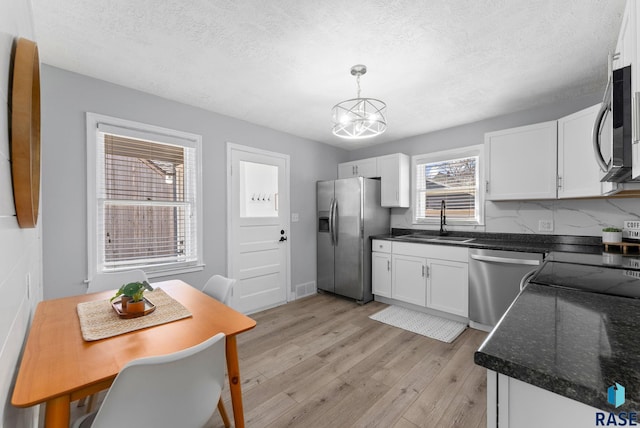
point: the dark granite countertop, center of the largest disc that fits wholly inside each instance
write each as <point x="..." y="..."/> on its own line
<point x="573" y="343"/>
<point x="530" y="243"/>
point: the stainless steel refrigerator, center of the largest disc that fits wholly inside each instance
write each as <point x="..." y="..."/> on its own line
<point x="349" y="212"/>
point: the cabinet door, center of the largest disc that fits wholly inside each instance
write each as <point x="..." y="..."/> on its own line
<point x="393" y="171"/>
<point x="626" y="44"/>
<point x="409" y="282"/>
<point x="578" y="171"/>
<point x="381" y="274"/>
<point x="448" y="287"/>
<point x="521" y="162"/>
<point x="346" y="170"/>
<point x="367" y="168"/>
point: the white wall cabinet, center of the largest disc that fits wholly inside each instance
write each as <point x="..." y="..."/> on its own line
<point x="393" y="171"/>
<point x="578" y="171"/>
<point x="367" y="168"/>
<point x="431" y="276"/>
<point x="521" y="162"/>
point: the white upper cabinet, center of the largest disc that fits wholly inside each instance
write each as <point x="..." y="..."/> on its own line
<point x="625" y="53"/>
<point x="367" y="168"/>
<point x="578" y="171"/>
<point x="521" y="162"/>
<point x="393" y="171"/>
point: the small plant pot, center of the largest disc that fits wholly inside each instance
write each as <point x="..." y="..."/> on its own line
<point x="610" y="237"/>
<point x="135" y="307"/>
<point x="124" y="300"/>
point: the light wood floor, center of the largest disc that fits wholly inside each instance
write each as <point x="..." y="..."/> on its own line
<point x="321" y="362"/>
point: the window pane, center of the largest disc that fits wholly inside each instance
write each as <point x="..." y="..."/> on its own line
<point x="146" y="203"/>
<point x="258" y="190"/>
<point x="452" y="181"/>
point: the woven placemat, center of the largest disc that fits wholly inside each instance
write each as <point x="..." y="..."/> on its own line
<point x="98" y="320"/>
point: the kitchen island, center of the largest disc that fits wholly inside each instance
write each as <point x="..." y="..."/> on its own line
<point x="558" y="349"/>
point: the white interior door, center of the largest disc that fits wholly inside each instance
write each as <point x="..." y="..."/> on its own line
<point x="258" y="212"/>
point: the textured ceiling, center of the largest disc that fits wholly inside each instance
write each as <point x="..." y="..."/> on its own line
<point x="285" y="63"/>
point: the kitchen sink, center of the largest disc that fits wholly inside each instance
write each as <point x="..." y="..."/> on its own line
<point x="432" y="238"/>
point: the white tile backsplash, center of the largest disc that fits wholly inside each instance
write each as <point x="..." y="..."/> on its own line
<point x="581" y="217"/>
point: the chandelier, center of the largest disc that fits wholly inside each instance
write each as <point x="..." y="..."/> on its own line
<point x="359" y="117"/>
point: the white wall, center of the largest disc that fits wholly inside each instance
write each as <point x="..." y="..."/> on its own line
<point x="20" y="249"/>
<point x="66" y="98"/>
<point x="570" y="217"/>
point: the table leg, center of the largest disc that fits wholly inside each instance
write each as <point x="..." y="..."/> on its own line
<point x="57" y="412"/>
<point x="233" y="369"/>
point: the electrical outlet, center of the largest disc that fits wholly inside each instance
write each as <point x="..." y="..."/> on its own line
<point x="545" y="225"/>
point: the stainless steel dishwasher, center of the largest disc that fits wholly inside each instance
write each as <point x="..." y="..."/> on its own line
<point x="494" y="282"/>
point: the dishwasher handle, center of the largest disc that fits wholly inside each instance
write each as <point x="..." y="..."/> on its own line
<point x="505" y="260"/>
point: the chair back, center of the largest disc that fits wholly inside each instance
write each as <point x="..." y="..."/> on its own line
<point x="219" y="288"/>
<point x="115" y="280"/>
<point x="175" y="390"/>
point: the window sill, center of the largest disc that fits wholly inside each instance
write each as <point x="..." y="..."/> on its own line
<point x="173" y="270"/>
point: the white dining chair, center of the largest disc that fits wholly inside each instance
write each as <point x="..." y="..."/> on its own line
<point x="219" y="288"/>
<point x="174" y="390"/>
<point x="105" y="282"/>
<point x="113" y="281"/>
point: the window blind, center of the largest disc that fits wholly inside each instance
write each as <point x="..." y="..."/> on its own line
<point x="455" y="181"/>
<point x="146" y="196"/>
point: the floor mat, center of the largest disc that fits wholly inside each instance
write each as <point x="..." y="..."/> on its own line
<point x="418" y="322"/>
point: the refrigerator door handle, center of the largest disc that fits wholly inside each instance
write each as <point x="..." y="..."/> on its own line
<point x="334" y="222"/>
<point x="331" y="221"/>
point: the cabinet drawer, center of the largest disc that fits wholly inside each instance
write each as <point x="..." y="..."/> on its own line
<point x="381" y="246"/>
<point x="443" y="252"/>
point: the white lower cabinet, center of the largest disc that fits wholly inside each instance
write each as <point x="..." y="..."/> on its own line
<point x="381" y="274"/>
<point x="448" y="287"/>
<point x="431" y="276"/>
<point x="515" y="404"/>
<point x="409" y="282"/>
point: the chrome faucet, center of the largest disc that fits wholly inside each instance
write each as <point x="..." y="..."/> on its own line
<point x="443" y="218"/>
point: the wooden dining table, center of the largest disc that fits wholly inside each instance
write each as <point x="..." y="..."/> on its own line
<point x="58" y="366"/>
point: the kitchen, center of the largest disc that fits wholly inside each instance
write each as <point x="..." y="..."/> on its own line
<point x="67" y="95"/>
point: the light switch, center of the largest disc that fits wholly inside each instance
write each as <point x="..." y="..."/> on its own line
<point x="294" y="217"/>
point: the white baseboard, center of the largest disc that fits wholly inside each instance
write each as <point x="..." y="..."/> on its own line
<point x="306" y="289"/>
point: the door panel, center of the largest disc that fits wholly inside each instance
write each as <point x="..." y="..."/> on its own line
<point x="259" y="212"/>
<point x="349" y="247"/>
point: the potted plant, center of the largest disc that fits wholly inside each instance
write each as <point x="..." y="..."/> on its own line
<point x="611" y="234"/>
<point x="132" y="296"/>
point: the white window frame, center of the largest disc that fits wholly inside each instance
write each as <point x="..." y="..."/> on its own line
<point x="147" y="132"/>
<point x="477" y="150"/>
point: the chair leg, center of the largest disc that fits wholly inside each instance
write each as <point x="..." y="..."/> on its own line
<point x="92" y="403"/>
<point x="82" y="401"/>
<point x="223" y="413"/>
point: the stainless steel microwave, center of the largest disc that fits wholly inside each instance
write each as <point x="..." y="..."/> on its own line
<point x="614" y="155"/>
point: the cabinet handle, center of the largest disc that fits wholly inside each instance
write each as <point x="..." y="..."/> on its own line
<point x="486" y="186"/>
<point x="423" y="271"/>
<point x="389" y="265"/>
<point x="559" y="183"/>
<point x="356" y="169"/>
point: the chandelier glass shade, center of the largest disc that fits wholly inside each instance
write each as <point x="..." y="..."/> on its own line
<point x="359" y="118"/>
